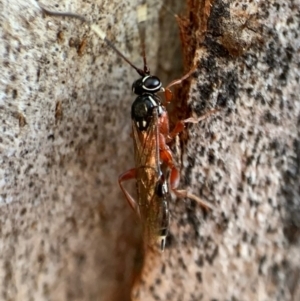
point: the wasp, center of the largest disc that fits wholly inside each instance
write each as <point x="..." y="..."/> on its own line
<point x="155" y="173"/>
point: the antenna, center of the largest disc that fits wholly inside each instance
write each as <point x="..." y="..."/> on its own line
<point x="141" y="12"/>
<point x="101" y="34"/>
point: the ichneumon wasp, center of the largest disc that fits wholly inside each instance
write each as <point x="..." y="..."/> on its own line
<point x="155" y="172"/>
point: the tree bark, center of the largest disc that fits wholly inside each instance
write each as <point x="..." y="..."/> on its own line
<point x="66" y="230"/>
<point x="245" y="160"/>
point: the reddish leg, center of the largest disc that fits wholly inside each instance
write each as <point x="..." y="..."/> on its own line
<point x="174" y="182"/>
<point x="174" y="179"/>
<point x="165" y="152"/>
<point x="167" y="158"/>
<point x="177" y="129"/>
<point x="164" y="125"/>
<point x="180" y="124"/>
<point x="168" y="92"/>
<point x="196" y="120"/>
<point x="185" y="194"/>
<point x="129" y="175"/>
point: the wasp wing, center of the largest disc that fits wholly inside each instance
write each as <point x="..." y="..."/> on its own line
<point x="146" y="152"/>
<point x="148" y="175"/>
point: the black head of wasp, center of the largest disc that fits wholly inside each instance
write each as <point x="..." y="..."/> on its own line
<point x="155" y="172"/>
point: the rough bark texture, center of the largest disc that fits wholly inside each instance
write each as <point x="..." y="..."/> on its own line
<point x="245" y="160"/>
<point x="66" y="232"/>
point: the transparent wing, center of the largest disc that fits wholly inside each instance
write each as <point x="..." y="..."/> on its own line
<point x="146" y="149"/>
<point x="146" y="152"/>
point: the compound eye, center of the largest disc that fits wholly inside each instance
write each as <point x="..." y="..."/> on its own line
<point x="151" y="84"/>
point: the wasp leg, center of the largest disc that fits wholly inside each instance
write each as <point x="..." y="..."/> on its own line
<point x="180" y="124"/>
<point x="186" y="194"/>
<point x="203" y="117"/>
<point x="165" y="152"/>
<point x="174" y="182"/>
<point x="166" y="157"/>
<point x="168" y="92"/>
<point x="177" y="129"/>
<point x="129" y="175"/>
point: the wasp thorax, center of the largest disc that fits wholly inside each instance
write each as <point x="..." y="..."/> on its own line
<point x="142" y="110"/>
<point x="149" y="83"/>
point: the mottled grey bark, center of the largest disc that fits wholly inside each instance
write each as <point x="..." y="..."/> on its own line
<point x="245" y="160"/>
<point x="66" y="230"/>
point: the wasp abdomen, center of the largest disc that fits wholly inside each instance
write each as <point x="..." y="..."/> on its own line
<point x="164" y="223"/>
